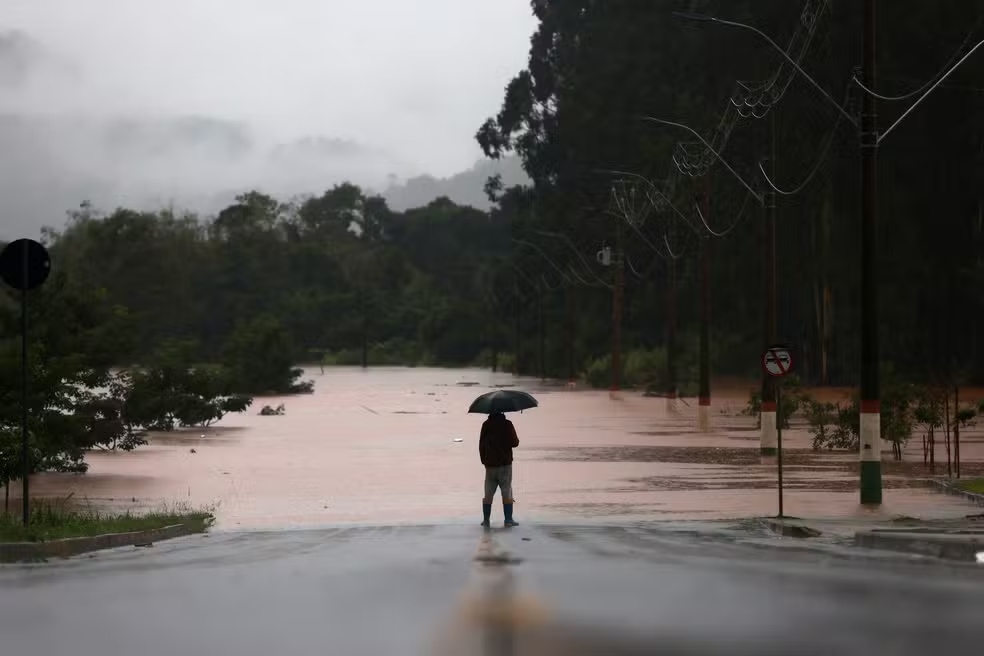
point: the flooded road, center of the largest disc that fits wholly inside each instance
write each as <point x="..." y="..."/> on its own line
<point x="379" y="446"/>
<point x="460" y="591"/>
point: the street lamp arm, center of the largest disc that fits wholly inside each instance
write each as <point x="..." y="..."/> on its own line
<point x="931" y="90"/>
<point x="711" y="19"/>
<point x="757" y="195"/>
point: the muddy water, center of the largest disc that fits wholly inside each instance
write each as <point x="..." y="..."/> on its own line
<point x="381" y="446"/>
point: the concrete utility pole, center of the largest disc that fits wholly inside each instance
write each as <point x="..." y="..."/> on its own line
<point x="517" y="331"/>
<point x="671" y="377"/>
<point x="871" y="481"/>
<point x="768" y="418"/>
<point x="617" y="299"/>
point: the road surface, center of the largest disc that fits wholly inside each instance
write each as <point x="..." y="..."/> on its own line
<point x="458" y="590"/>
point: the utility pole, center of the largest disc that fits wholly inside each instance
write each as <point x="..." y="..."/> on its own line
<point x="365" y="332"/>
<point x="767" y="416"/>
<point x="704" y="407"/>
<point x="571" y="373"/>
<point x="517" y="343"/>
<point x="617" y="294"/>
<point x="540" y="330"/>
<point x="671" y="384"/>
<point x="871" y="483"/>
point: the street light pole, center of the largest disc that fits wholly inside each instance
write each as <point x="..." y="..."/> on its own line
<point x="870" y="428"/>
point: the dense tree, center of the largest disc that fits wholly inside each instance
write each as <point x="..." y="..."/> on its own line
<point x="595" y="68"/>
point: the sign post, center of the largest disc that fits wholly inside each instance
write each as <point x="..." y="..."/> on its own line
<point x="24" y="265"/>
<point x="778" y="362"/>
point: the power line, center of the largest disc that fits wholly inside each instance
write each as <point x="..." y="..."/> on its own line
<point x="816" y="169"/>
<point x="925" y="86"/>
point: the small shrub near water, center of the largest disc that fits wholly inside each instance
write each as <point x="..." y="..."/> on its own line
<point x="793" y="400"/>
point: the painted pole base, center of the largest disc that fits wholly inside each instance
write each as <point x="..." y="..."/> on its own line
<point x="615" y="394"/>
<point x="704" y="416"/>
<point x="769" y="444"/>
<point x="871" y="447"/>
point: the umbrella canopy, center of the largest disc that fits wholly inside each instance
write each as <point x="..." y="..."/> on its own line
<point x="502" y="401"/>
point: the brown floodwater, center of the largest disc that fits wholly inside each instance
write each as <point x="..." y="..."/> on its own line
<point x="397" y="445"/>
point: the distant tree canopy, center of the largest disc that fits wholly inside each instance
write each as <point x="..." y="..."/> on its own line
<point x="266" y="284"/>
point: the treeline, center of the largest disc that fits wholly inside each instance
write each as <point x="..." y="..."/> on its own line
<point x="331" y="275"/>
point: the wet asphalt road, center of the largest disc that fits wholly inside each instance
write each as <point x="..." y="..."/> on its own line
<point x="452" y="589"/>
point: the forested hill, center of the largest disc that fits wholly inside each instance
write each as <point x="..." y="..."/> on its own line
<point x="465" y="188"/>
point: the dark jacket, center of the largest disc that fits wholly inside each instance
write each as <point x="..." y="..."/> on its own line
<point x="497" y="441"/>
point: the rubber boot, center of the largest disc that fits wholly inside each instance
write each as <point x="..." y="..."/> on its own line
<point x="507" y="508"/>
<point x="486" y="513"/>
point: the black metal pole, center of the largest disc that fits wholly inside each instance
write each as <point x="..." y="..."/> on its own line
<point x="871" y="484"/>
<point x="779" y="443"/>
<point x="25" y="445"/>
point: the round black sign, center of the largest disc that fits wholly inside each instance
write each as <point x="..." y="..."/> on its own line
<point x="25" y="264"/>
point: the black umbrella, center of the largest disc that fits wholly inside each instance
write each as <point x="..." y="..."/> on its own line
<point x="502" y="401"/>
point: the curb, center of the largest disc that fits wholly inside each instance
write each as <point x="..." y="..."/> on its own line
<point x="947" y="487"/>
<point x="780" y="527"/>
<point x="949" y="547"/>
<point x="13" y="552"/>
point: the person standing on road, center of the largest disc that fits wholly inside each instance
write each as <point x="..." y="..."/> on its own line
<point x="495" y="446"/>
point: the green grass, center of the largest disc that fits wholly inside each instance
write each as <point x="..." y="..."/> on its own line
<point x="975" y="485"/>
<point x="52" y="521"/>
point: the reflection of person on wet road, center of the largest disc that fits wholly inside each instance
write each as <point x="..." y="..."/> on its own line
<point x="495" y="447"/>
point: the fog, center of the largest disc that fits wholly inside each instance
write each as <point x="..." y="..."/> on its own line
<point x="188" y="102"/>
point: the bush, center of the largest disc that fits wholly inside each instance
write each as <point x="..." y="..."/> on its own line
<point x="259" y="359"/>
<point x="836" y="426"/>
<point x="164" y="399"/>
<point x="793" y="400"/>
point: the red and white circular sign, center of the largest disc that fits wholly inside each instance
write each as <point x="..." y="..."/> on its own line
<point x="777" y="361"/>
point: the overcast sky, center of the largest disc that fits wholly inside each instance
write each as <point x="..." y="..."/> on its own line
<point x="395" y="86"/>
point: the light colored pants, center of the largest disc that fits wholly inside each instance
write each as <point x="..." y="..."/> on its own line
<point x="498" y="477"/>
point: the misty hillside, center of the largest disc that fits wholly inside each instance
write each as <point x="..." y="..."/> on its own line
<point x="50" y="164"/>
<point x="465" y="188"/>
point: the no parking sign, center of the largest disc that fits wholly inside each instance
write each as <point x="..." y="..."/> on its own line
<point x="777" y="361"/>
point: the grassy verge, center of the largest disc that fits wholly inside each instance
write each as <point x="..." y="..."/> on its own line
<point x="52" y="521"/>
<point x="975" y="485"/>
